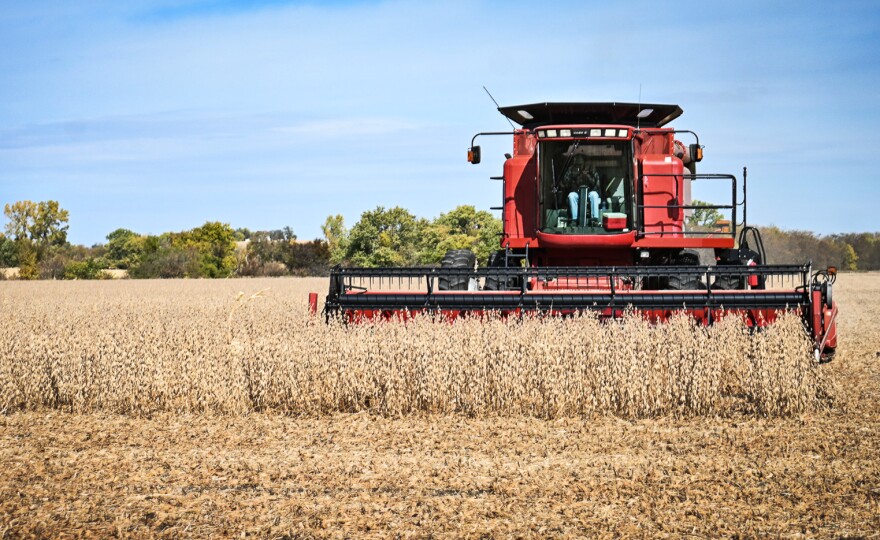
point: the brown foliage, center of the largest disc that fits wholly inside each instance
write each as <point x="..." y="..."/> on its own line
<point x="191" y="347"/>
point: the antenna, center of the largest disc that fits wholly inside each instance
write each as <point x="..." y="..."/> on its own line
<point x="499" y="106"/>
<point x="639" y="114"/>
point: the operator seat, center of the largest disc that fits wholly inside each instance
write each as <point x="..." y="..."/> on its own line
<point x="614" y="191"/>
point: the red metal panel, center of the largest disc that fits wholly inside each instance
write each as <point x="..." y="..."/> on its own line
<point x="824" y="322"/>
<point x="662" y="187"/>
<point x="816" y="309"/>
<point x="656" y="241"/>
<point x="654" y="141"/>
<point x="571" y="241"/>
<point x="605" y="256"/>
<point x="520" y="197"/>
<point x="830" y="324"/>
<point x="521" y="243"/>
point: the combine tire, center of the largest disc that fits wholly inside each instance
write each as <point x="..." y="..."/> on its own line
<point x="456" y="258"/>
<point x="493" y="283"/>
<point x="729" y="283"/>
<point x="685" y="282"/>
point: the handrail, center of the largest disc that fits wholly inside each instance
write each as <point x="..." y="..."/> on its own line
<point x="699" y="176"/>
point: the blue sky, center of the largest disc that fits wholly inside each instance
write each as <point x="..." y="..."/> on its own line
<point x="159" y="116"/>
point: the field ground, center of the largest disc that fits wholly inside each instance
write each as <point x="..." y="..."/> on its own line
<point x="362" y="475"/>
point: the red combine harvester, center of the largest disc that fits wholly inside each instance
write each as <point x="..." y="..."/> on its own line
<point x="596" y="198"/>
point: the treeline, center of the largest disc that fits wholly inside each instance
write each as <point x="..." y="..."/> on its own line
<point x="851" y="251"/>
<point x="35" y="241"/>
<point x="206" y="251"/>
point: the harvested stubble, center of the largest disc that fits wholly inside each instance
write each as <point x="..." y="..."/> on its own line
<point x="141" y="348"/>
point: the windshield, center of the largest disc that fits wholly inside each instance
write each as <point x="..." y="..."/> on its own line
<point x="580" y="182"/>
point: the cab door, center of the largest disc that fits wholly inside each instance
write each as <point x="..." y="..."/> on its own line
<point x="662" y="195"/>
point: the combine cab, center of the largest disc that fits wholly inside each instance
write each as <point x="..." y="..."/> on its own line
<point x="596" y="200"/>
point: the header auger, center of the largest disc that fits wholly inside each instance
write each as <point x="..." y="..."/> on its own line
<point x="595" y="207"/>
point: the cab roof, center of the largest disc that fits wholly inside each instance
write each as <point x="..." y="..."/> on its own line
<point x="626" y="114"/>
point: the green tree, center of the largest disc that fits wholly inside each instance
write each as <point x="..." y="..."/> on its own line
<point x="464" y="227"/>
<point x="336" y="236"/>
<point x="167" y="261"/>
<point x="44" y="223"/>
<point x="849" y="258"/>
<point x="704" y="217"/>
<point x="281" y="234"/>
<point x="86" y="269"/>
<point x="206" y="251"/>
<point x="866" y="247"/>
<point x="28" y="264"/>
<point x="35" y="228"/>
<point x="385" y="238"/>
<point x="8" y="252"/>
<point x="124" y="248"/>
<point x="242" y="234"/>
<point x="215" y="242"/>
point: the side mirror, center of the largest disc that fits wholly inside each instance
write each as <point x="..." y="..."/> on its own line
<point x="474" y="155"/>
<point x="696" y="152"/>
